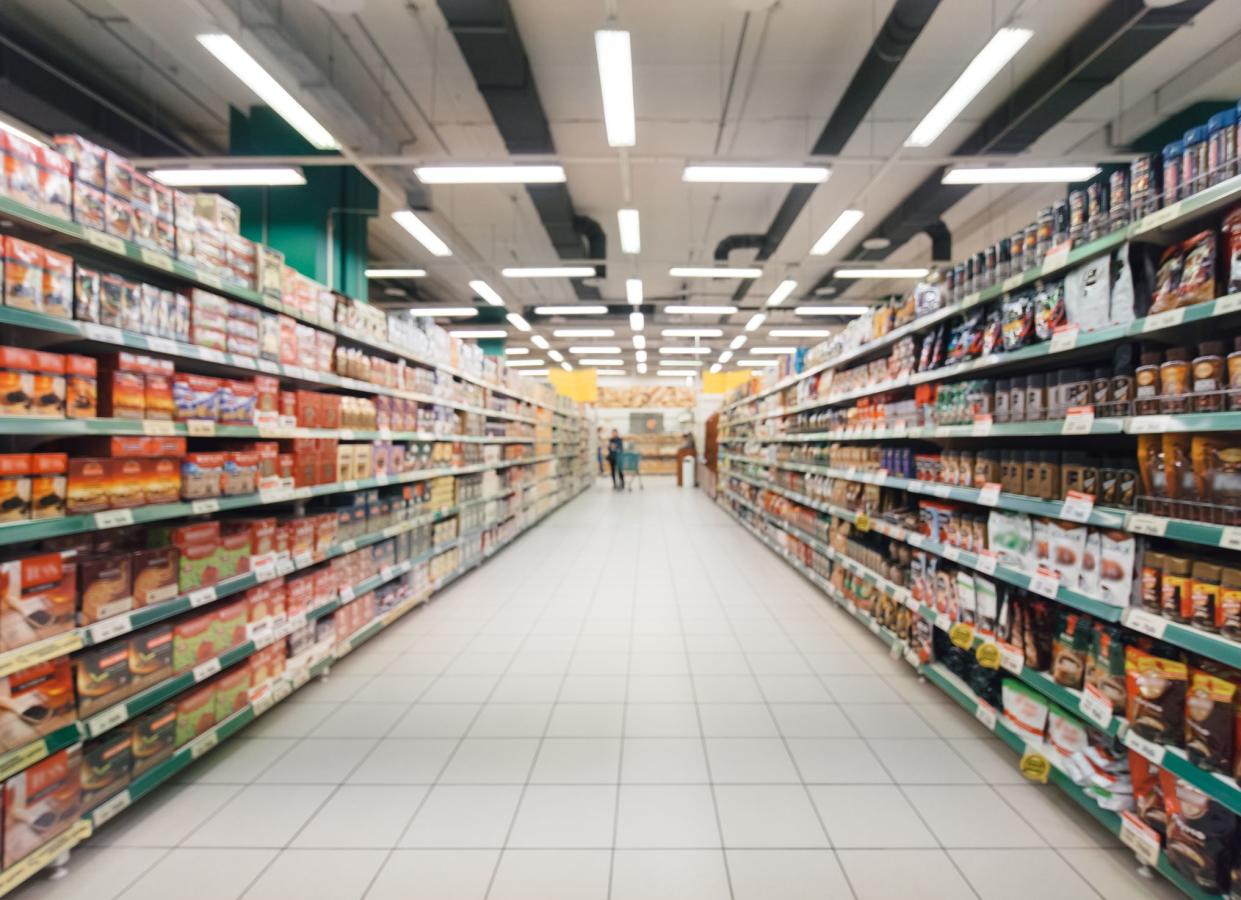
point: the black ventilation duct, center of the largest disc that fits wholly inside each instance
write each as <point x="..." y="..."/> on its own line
<point x="737" y="242"/>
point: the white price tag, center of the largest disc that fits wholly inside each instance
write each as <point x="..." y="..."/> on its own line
<point x="1057" y="257"/>
<point x="942" y="621"/>
<point x="900" y="429"/>
<point x="350" y="485"/>
<point x="114" y="518"/>
<point x="200" y="428"/>
<point x="244" y="362"/>
<point x="943" y="431"/>
<point x="105" y="334"/>
<point x="204" y="744"/>
<point x="109" y="242"/>
<point x="201" y="507"/>
<point x="1078" y="420"/>
<point x="303" y="559"/>
<point x="201" y="597"/>
<point x="1064" y="338"/>
<point x="1012" y="282"/>
<point x="1140" y="838"/>
<point x="263" y="702"/>
<point x="1077" y="507"/>
<point x="915" y="539"/>
<point x="297" y="621"/>
<point x="1011" y="659"/>
<point x="982" y="426"/>
<point x="205" y="670"/>
<point x="1045" y="582"/>
<point x="1141" y="523"/>
<point x="265" y="570"/>
<point x="348" y="546"/>
<point x="261" y="633"/>
<point x="156" y="259"/>
<point x="108" y="810"/>
<point x="211" y="355"/>
<point x="989" y="494"/>
<point x="873" y="626"/>
<point x="1095" y="706"/>
<point x="346" y="594"/>
<point x="1230" y="538"/>
<point x="1150" y="424"/>
<point x="158" y="427"/>
<point x="952" y="553"/>
<point x="1229" y="304"/>
<point x="271" y="368"/>
<point x="109" y="628"/>
<point x="106" y="720"/>
<point x="985" y="713"/>
<point x="1146" y="622"/>
<point x="210" y="279"/>
<point x="162" y="345"/>
<point x="1158" y="218"/>
<point x="987" y="561"/>
<point x="940" y="490"/>
<point x="346" y="434"/>
<point x="1163" y="320"/>
<point x="284" y="565"/>
<point x="1140" y="745"/>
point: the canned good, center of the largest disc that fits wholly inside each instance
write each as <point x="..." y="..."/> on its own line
<point x="1059" y="223"/>
<point x="982" y="275"/>
<point x="1043" y="232"/>
<point x="1221" y="146"/>
<point x="1143" y="189"/>
<point x="1032" y="257"/>
<point x="1096" y="210"/>
<point x="1173" y="160"/>
<point x="1004" y="259"/>
<point x="1194" y="161"/>
<point x="1118" y="199"/>
<point x="1017" y="250"/>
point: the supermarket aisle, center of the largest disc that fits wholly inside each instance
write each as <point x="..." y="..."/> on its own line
<point x="637" y="700"/>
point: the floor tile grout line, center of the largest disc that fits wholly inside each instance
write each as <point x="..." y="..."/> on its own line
<point x="620" y="757"/>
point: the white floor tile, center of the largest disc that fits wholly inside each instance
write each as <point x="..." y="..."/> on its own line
<point x="886" y="720"/>
<point x="680" y="816"/>
<point x="886" y="874"/>
<point x="318" y="761"/>
<point x="737" y="720"/>
<point x="567" y="816"/>
<point x="1021" y="875"/>
<point x="165" y="818"/>
<point x="768" y="816"/>
<point x="863" y="816"/>
<point x="107" y="870"/>
<point x="786" y="875"/>
<point x="198" y="874"/>
<point x="812" y="720"/>
<point x="593" y="689"/>
<point x="491" y="761"/>
<point x="1114" y="875"/>
<point x="923" y="761"/>
<point x="404" y="761"/>
<point x="464" y="816"/>
<point x="361" y="720"/>
<point x="750" y="761"/>
<point x="526" y="689"/>
<point x="511" y="720"/>
<point x="260" y="815"/>
<point x="1056" y="817"/>
<point x="435" y="875"/>
<point x="552" y="875"/>
<point x="660" y="689"/>
<point x="361" y="816"/>
<point x="664" y="760"/>
<point x="577" y="761"/>
<point x="971" y="817"/>
<point x="318" y="875"/>
<point x="570" y="720"/>
<point x="669" y="875"/>
<point x="436" y="720"/>
<point x="837" y="761"/>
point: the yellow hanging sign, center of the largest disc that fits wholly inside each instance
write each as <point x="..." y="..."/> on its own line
<point x="723" y="382"/>
<point x="580" y="384"/>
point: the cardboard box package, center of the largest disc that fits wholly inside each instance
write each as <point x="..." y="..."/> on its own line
<point x="154" y="737"/>
<point x="106" y="766"/>
<point x="195" y="712"/>
<point x="40" y="802"/>
<point x="39" y="595"/>
<point x="35" y="701"/>
<point x="150" y="656"/>
<point x="103" y="676"/>
<point x="232" y="691"/>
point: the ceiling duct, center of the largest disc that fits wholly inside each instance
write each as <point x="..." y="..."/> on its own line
<point x="492" y="47"/>
<point x="1101" y="50"/>
<point x="737" y="242"/>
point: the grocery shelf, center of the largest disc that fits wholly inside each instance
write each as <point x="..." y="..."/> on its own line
<point x="41" y="426"/>
<point x="26" y="756"/>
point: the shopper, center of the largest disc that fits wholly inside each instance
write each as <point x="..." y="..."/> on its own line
<point x="615" y="447"/>
<point x="599" y="449"/>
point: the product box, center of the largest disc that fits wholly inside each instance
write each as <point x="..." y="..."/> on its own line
<point x="107" y="764"/>
<point x="198" y="545"/>
<point x="35" y="701"/>
<point x="150" y="656"/>
<point x="230" y="625"/>
<point x="39" y="595"/>
<point x="88" y="486"/>
<point x="201" y="475"/>
<point x="57" y="284"/>
<point x="89" y="160"/>
<point x="40" y="802"/>
<point x="125" y="483"/>
<point x="193" y="641"/>
<point x="106" y="584"/>
<point x="103" y="676"/>
<point x="232" y="692"/>
<point x="154" y="737"/>
<point x="195" y="397"/>
<point x="23" y="275"/>
<point x="49" y="485"/>
<point x="195" y="712"/>
<point x="155" y="575"/>
<point x="161" y="480"/>
<point x="81" y="387"/>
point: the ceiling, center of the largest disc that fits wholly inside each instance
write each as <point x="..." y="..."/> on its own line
<point x="714" y="80"/>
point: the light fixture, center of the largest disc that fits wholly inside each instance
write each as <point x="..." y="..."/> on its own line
<point x="556" y="355"/>
<point x="877" y="242"/>
<point x="274" y="176"/>
<point x="715" y="367"/>
<point x="610" y="373"/>
<point x="394" y="292"/>
<point x="1021" y="175"/>
<point x="755" y="320"/>
<point x="637" y="321"/>
<point x="395" y="273"/>
<point x="518" y="322"/>
<point x="421" y="232"/>
<point x="692" y="332"/>
<point x="616" y="80"/>
<point x="685" y="351"/>
<point x="726" y="356"/>
<point x="257" y="79"/>
<point x="550" y="174"/>
<point x="539" y="341"/>
<point x="480" y="334"/>
<point x="673" y="373"/>
<point x="639" y="342"/>
<point x="639" y="355"/>
<point x="487" y="292"/>
<point x="832" y="310"/>
<point x="564" y="365"/>
<point x="800" y="332"/>
<point x="758" y="363"/>
<point x="756" y="174"/>
<point x="1002" y="47"/>
<point x="773" y="351"/>
<point x="782" y="292"/>
<point x="737" y="342"/>
<point x="601" y="361"/>
<point x="519" y="363"/>
<point x="836" y="232"/>
<point x="533" y="373"/>
<point x="683" y="363"/>
<point x="583" y="332"/>
<point x="549" y="272"/>
<point x="570" y="310"/>
<point x="676" y="310"/>
<point x="714" y="272"/>
<point x="21" y="133"/>
<point x="516" y="351"/>
<point x="633" y="291"/>
<point x="442" y="311"/>
<point x="587" y="351"/>
<point x="881" y="273"/>
<point x="627" y="224"/>
<point x="641" y="368"/>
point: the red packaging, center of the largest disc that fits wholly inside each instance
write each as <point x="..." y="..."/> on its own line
<point x="37" y="701"/>
<point x="39" y="598"/>
<point x="41" y="802"/>
<point x="57" y="284"/>
<point x="122" y="395"/>
<point x="299" y="594"/>
<point x="125" y="483"/>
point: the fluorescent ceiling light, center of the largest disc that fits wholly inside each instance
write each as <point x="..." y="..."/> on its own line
<point x="257" y="79"/>
<point x="633" y="291"/>
<point x="395" y="273"/>
<point x="675" y="310"/>
<point x="564" y="365"/>
<point x="684" y="363"/>
<point x="394" y="292"/>
<point x="639" y="355"/>
<point x="549" y="272"/>
<point x="672" y="373"/>
<point x="637" y="321"/>
<point x="755" y="320"/>
<point x="715" y="367"/>
<point x="832" y="310"/>
<point x="519" y="363"/>
<point x="533" y="373"/>
<point x="630" y="230"/>
<point x="773" y="351"/>
<point x="758" y="363"/>
<point x="570" y="310"/>
<point x="609" y="373"/>
<point x="442" y="311"/>
<point x="639" y="342"/>
<point x="685" y="351"/>
<point x="782" y="291"/>
<point x="616" y="80"/>
<point x="518" y="322"/>
<point x="556" y="355"/>
<point x="21" y="133"/>
<point x="1002" y="47"/>
<point x="601" y="351"/>
<point x="836" y="232"/>
<point x="756" y="174"/>
<point x="539" y="341"/>
<point x="641" y="368"/>
<point x="737" y="342"/>
<point x="800" y="332"/>
<point x="483" y="333"/>
<point x="516" y="351"/>
<point x="692" y="332"/>
<point x="714" y="272"/>
<point x="726" y="356"/>
<point x="1019" y="175"/>
<point x="583" y="332"/>
<point x="274" y="176"/>
<point x="490" y="174"/>
<point x="487" y="292"/>
<point x="422" y="234"/>
<point x="601" y="361"/>
<point x="881" y="273"/>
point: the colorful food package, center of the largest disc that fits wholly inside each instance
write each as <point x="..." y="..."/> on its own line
<point x="155" y="575"/>
<point x="232" y="692"/>
<point x="1117" y="550"/>
<point x="1148" y="793"/>
<point x="103" y="676"/>
<point x="193" y="641"/>
<point x="39" y="595"/>
<point x="1201" y="838"/>
<point x="23" y="275"/>
<point x="195" y="712"/>
<point x="57" y="284"/>
<point x="1025" y="709"/>
<point x="1070" y="648"/>
<point x="154" y="737"/>
<point x="198" y="545"/>
<point x="1198" y="271"/>
<point x="106" y="584"/>
<point x="1232" y="249"/>
<point x="35" y="701"/>
<point x="1105" y="665"/>
<point x="1156" y="689"/>
<point x="107" y="764"/>
<point x="1166" y="292"/>
<point x="40" y="802"/>
<point x="150" y="656"/>
<point x="1211" y="721"/>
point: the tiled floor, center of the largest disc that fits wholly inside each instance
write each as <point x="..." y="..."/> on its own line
<point x="636" y="701"/>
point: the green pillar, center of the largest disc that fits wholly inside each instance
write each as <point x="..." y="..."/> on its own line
<point x="294" y="220"/>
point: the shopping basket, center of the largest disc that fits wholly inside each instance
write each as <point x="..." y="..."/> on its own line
<point x="631" y="465"/>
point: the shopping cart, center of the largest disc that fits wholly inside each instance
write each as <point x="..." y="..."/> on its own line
<point x="631" y="465"/>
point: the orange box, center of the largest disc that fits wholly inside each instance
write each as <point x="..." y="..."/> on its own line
<point x="41" y="802"/>
<point x="57" y="284"/>
<point x="126" y="482"/>
<point x="45" y="688"/>
<point x="48" y="484"/>
<point x="161" y="480"/>
<point x="81" y="387"/>
<point x="48" y="386"/>
<point x="158" y="397"/>
<point x="88" y="486"/>
<point x="23" y="275"/>
<point x="15" y="487"/>
<point x="122" y="394"/>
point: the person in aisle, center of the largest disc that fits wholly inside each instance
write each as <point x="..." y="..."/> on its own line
<point x="615" y="447"/>
<point x="599" y="449"/>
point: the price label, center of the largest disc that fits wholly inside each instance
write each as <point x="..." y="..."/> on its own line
<point x="114" y="518"/>
<point x="1057" y="257"/>
<point x="284" y="565"/>
<point x="350" y="485"/>
<point x="1145" y="622"/>
<point x="261" y="633"/>
<point x="1151" y="424"/>
<point x="873" y="626"/>
<point x="1011" y="659"/>
<point x="1077" y="507"/>
<point x="109" y="628"/>
<point x="263" y="702"/>
<point x="1045" y="582"/>
<point x="1035" y="766"/>
<point x="201" y="597"/>
<point x="1095" y="706"/>
<point x="107" y="720"/>
<point x="303" y="559"/>
<point x="204" y="744"/>
<point x="1140" y="745"/>
<point x="1064" y="338"/>
<point x="201" y="507"/>
<point x="210" y="279"/>
<point x="1140" y="838"/>
<point x="911" y="657"/>
<point x="1011" y="283"/>
<point x="1158" y="218"/>
<point x="108" y="810"/>
<point x="985" y="713"/>
<point x="271" y="368"/>
<point x="346" y="434"/>
<point x="982" y="426"/>
<point x="986" y="562"/>
<point x="900" y="429"/>
<point x="1141" y="523"/>
<point x="346" y="594"/>
<point x="1163" y="320"/>
<point x="1230" y="538"/>
<point x="862" y="522"/>
<point x="988" y="655"/>
<point x="349" y="546"/>
<point x="1229" y="304"/>
<point x="211" y="355"/>
<point x="962" y="635"/>
<point x="205" y="670"/>
<point x="200" y="428"/>
<point x="989" y="494"/>
<point x="244" y="362"/>
<point x="1078" y="420"/>
<point x="952" y="553"/>
<point x="265" y="570"/>
<point x="942" y="431"/>
<point x="105" y="334"/>
<point x="156" y="259"/>
<point x="109" y="242"/>
<point x="158" y="428"/>
<point x="915" y="539"/>
<point x="943" y="621"/>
